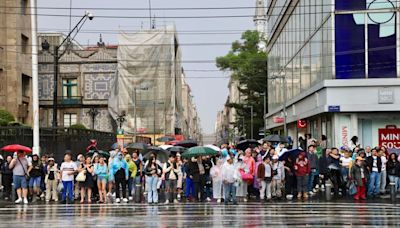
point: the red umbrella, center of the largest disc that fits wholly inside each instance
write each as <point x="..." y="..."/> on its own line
<point x="16" y="147"/>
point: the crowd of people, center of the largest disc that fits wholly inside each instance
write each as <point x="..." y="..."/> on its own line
<point x="257" y="173"/>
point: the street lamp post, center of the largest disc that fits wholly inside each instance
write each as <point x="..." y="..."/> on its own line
<point x="46" y="46"/>
<point x="121" y="119"/>
<point x="93" y="112"/>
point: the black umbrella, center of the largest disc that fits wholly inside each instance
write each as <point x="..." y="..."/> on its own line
<point x="176" y="149"/>
<point x="187" y="143"/>
<point x="165" y="139"/>
<point x="162" y="155"/>
<point x="275" y="138"/>
<point x="248" y="143"/>
<point x="142" y="147"/>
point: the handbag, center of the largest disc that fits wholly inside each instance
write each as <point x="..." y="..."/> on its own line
<point x="25" y="174"/>
<point x="247" y="177"/>
<point x="81" y="177"/>
<point x="352" y="188"/>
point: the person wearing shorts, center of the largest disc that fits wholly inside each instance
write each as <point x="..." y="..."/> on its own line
<point x="20" y="165"/>
<point x="35" y="172"/>
<point x="101" y="171"/>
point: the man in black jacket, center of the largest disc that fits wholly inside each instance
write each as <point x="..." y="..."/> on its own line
<point x="374" y="166"/>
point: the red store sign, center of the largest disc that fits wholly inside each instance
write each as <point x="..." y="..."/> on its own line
<point x="389" y="137"/>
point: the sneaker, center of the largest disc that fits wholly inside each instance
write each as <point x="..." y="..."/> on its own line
<point x="317" y="186"/>
<point x="56" y="200"/>
<point x="208" y="199"/>
<point x="118" y="200"/>
<point x="176" y="201"/>
<point x="19" y="200"/>
<point x="315" y="190"/>
<point x="25" y="201"/>
<point x="130" y="198"/>
<point x="245" y="199"/>
<point x="218" y="200"/>
<point x="310" y="193"/>
<point x="47" y="201"/>
<point x="167" y="202"/>
<point x="125" y="200"/>
<point x="42" y="195"/>
<point x="178" y="196"/>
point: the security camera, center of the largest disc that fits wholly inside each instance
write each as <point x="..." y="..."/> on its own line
<point x="89" y="15"/>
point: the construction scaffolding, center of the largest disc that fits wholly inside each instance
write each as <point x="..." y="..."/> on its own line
<point x="148" y="83"/>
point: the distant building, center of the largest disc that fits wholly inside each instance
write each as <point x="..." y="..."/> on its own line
<point x="15" y="59"/>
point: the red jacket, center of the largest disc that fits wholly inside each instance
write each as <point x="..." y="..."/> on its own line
<point x="302" y="167"/>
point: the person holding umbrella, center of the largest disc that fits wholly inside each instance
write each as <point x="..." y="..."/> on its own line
<point x="20" y="165"/>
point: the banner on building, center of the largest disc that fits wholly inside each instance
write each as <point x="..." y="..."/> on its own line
<point x="389" y="137"/>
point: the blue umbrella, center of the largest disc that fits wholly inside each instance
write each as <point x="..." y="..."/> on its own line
<point x="292" y="153"/>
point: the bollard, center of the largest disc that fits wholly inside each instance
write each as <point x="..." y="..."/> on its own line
<point x="392" y="191"/>
<point x="328" y="190"/>
<point x="13" y="193"/>
<point x="138" y="193"/>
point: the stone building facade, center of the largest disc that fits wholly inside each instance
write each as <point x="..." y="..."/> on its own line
<point x="85" y="79"/>
<point x="15" y="59"/>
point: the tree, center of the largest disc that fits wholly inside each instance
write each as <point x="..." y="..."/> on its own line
<point x="6" y="117"/>
<point x="247" y="64"/>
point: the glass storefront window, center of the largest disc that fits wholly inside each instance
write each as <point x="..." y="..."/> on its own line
<point x="305" y="67"/>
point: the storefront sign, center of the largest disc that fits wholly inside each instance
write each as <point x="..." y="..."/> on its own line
<point x="389" y="137"/>
<point x="386" y="96"/>
<point x="345" y="135"/>
<point x="301" y="124"/>
<point x="278" y="119"/>
<point x="334" y="108"/>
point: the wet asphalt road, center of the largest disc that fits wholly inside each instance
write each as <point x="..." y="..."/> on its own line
<point x="278" y="214"/>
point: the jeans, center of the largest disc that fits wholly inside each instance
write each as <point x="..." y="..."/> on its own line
<point x="395" y="180"/>
<point x="276" y="186"/>
<point x="130" y="186"/>
<point x="383" y="181"/>
<point x="189" y="188"/>
<point x="208" y="191"/>
<point x="345" y="173"/>
<point x="230" y="193"/>
<point x="20" y="182"/>
<point x="68" y="188"/>
<point x="136" y="181"/>
<point x="34" y="182"/>
<point x="311" y="179"/>
<point x="170" y="187"/>
<point x="302" y="183"/>
<point x="151" y="184"/>
<point x="374" y="183"/>
<point x="265" y="187"/>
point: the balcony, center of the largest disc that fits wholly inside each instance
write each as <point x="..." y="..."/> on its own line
<point x="70" y="101"/>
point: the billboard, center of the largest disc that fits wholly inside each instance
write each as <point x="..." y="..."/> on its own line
<point x="389" y="137"/>
<point x="359" y="33"/>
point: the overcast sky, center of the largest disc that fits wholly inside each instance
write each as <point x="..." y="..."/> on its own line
<point x="209" y="93"/>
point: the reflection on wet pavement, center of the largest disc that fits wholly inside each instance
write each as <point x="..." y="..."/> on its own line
<point x="285" y="214"/>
